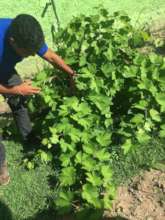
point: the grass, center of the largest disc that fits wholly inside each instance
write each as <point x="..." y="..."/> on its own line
<point x="142" y="158"/>
<point x="28" y="191"/>
<point x="141" y="11"/>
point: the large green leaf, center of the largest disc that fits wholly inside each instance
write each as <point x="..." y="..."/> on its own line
<point x="155" y="59"/>
<point x="88" y="162"/>
<point x="89" y="148"/>
<point x="84" y="122"/>
<point x="107" y="173"/>
<point x="91" y="195"/>
<point x="142" y="136"/>
<point x="65" y="159"/>
<point x="64" y="200"/>
<point x="138" y="119"/>
<point x="127" y="146"/>
<point x="155" y="115"/>
<point x="130" y="71"/>
<point x="86" y="136"/>
<point x="102" y="155"/>
<point x="109" y="196"/>
<point x="142" y="104"/>
<point x="108" y="69"/>
<point x="102" y="102"/>
<point x="110" y="53"/>
<point x="75" y="134"/>
<point x="66" y="146"/>
<point x="104" y="139"/>
<point x="162" y="131"/>
<point x="160" y="98"/>
<point x="68" y="176"/>
<point x="94" y="179"/>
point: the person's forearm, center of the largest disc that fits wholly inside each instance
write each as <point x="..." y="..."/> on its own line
<point x="7" y="90"/>
<point x="59" y="62"/>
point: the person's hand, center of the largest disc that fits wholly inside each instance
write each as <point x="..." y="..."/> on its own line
<point x="73" y="74"/>
<point x="26" y="88"/>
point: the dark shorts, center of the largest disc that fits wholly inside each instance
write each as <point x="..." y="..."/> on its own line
<point x="17" y="104"/>
<point x="10" y="79"/>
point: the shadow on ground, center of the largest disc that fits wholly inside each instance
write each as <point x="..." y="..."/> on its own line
<point x="43" y="215"/>
<point x="51" y="215"/>
<point x="5" y="212"/>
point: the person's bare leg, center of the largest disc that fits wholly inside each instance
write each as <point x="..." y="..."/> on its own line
<point x="4" y="174"/>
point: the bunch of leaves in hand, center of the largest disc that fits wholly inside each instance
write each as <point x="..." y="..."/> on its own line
<point x="120" y="100"/>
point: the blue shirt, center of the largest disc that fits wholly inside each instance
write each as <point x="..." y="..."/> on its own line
<point x="8" y="57"/>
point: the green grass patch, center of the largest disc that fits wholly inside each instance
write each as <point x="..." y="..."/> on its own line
<point x="28" y="191"/>
<point x="143" y="158"/>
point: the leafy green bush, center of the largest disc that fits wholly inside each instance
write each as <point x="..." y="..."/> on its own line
<point x="119" y="101"/>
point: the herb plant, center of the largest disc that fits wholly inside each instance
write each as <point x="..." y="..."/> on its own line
<point x="119" y="101"/>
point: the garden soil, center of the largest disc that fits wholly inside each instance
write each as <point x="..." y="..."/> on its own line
<point x="142" y="199"/>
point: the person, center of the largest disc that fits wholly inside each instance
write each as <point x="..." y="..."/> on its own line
<point x="19" y="38"/>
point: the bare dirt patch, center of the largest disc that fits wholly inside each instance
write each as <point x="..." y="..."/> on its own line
<point x="142" y="199"/>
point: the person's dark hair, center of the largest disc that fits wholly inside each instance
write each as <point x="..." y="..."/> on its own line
<point x="27" y="32"/>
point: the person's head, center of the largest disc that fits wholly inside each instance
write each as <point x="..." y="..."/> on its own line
<point x="26" y="35"/>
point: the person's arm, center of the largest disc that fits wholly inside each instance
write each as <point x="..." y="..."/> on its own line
<point x="56" y="60"/>
<point x="23" y="89"/>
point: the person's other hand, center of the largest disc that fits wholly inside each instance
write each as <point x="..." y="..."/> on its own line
<point x="26" y="88"/>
